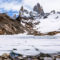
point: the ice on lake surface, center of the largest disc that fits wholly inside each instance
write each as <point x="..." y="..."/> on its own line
<point x="29" y="45"/>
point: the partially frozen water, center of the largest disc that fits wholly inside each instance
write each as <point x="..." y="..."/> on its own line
<point x="29" y="45"/>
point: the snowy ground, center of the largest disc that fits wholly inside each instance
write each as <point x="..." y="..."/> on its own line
<point x="29" y="46"/>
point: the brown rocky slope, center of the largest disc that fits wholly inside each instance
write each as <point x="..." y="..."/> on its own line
<point x="9" y="25"/>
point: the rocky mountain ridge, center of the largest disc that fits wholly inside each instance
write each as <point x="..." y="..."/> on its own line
<point x="25" y="22"/>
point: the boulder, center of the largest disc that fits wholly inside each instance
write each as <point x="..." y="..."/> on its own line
<point x="5" y="56"/>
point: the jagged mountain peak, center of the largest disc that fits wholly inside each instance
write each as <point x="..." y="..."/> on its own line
<point x="38" y="9"/>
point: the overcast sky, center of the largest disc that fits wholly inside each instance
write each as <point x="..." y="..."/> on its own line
<point x="14" y="5"/>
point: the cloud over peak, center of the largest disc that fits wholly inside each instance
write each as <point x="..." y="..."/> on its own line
<point x="15" y="5"/>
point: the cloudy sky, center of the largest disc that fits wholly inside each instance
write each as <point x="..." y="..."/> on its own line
<point x="12" y="6"/>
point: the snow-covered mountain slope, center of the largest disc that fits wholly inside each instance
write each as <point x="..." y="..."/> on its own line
<point x="49" y="24"/>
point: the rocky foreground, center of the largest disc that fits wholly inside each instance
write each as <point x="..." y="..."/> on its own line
<point x="41" y="56"/>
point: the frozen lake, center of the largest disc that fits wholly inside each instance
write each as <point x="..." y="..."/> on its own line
<point x="29" y="45"/>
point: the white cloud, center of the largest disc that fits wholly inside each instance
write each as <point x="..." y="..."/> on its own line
<point x="10" y="6"/>
<point x="47" y="5"/>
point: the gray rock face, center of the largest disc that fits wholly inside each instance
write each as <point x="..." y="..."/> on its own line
<point x="38" y="9"/>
